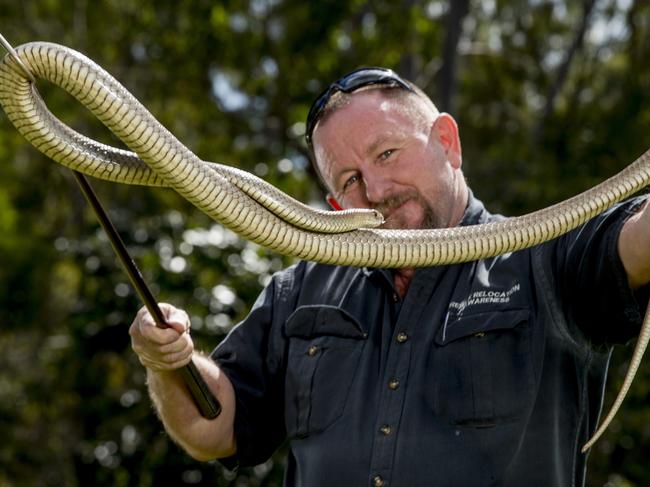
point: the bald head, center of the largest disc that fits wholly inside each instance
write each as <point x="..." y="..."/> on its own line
<point x="415" y="105"/>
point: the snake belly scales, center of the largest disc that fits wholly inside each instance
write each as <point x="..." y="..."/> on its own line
<point x="256" y="210"/>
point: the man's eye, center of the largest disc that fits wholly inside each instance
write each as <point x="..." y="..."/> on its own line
<point x="350" y="181"/>
<point x="386" y="154"/>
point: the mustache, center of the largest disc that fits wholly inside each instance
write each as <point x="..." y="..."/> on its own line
<point x="396" y="200"/>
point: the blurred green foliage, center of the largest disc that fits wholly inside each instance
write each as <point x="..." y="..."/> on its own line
<point x="544" y="113"/>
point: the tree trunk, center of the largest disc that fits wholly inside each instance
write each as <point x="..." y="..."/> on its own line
<point x="458" y="9"/>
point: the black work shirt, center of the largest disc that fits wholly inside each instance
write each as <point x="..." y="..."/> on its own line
<point x="487" y="373"/>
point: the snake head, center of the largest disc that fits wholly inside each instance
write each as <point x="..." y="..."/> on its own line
<point x="378" y="219"/>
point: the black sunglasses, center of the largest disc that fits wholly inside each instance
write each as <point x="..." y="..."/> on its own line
<point x="347" y="84"/>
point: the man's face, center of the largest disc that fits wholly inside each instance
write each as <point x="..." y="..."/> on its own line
<point x="373" y="155"/>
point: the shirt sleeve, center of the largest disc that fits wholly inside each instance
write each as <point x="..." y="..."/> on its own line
<point x="251" y="357"/>
<point x="592" y="281"/>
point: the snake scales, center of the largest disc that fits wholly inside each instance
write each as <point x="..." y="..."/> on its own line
<point x="256" y="210"/>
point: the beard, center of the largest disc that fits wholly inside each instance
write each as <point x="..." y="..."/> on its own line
<point x="430" y="217"/>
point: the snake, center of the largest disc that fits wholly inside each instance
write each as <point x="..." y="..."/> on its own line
<point x="255" y="209"/>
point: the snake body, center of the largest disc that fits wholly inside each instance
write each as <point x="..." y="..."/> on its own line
<point x="256" y="210"/>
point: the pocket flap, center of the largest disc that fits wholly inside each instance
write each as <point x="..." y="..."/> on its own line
<point x="478" y="323"/>
<point x="322" y="320"/>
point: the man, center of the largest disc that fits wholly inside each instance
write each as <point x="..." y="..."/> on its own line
<point x="485" y="373"/>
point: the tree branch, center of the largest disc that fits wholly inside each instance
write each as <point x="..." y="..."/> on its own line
<point x="563" y="70"/>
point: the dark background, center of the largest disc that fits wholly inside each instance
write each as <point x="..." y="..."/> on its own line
<point x="551" y="97"/>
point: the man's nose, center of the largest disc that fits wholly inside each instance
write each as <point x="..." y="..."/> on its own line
<point x="378" y="187"/>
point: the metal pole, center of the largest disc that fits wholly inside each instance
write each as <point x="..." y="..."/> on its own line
<point x="205" y="401"/>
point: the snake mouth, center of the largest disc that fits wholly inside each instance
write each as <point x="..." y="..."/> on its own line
<point x="393" y="206"/>
<point x="395" y="212"/>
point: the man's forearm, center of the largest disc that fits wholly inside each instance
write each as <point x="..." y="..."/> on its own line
<point x="203" y="439"/>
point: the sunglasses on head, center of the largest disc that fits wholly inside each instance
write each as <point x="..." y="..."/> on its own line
<point x="347" y="84"/>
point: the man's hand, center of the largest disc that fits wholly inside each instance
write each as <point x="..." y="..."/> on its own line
<point x="633" y="247"/>
<point x="162" y="349"/>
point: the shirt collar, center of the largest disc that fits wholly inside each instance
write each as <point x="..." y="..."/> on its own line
<point x="475" y="212"/>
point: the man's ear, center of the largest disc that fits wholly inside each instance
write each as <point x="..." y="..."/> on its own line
<point x="333" y="203"/>
<point x="445" y="129"/>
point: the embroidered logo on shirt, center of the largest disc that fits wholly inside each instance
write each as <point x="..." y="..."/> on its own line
<point x="487" y="296"/>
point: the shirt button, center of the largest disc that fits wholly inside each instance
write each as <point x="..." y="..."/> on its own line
<point x="393" y="384"/>
<point x="377" y="481"/>
<point x="395" y="297"/>
<point x="386" y="430"/>
<point x="313" y="350"/>
<point x="401" y="337"/>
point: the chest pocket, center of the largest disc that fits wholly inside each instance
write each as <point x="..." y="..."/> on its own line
<point x="325" y="345"/>
<point x="484" y="368"/>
